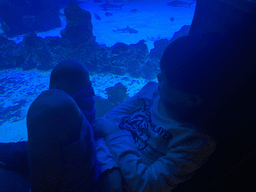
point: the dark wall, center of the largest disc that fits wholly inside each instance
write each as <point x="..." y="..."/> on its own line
<point x="219" y="15"/>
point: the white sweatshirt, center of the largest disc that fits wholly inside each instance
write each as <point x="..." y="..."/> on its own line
<point x="153" y="153"/>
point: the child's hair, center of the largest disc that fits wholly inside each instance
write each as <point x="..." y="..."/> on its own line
<point x="69" y="76"/>
<point x="193" y="63"/>
<point x="221" y="71"/>
<point x="71" y="70"/>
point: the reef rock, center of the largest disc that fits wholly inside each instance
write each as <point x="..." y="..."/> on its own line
<point x="138" y="56"/>
<point x="150" y="69"/>
<point x="159" y="47"/>
<point x="116" y="95"/>
<point x="9" y="56"/>
<point x="128" y="59"/>
<point x="36" y="53"/>
<point x="21" y="17"/>
<point x="79" y="26"/>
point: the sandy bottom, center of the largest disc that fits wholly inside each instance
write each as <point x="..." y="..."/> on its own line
<point x="28" y="85"/>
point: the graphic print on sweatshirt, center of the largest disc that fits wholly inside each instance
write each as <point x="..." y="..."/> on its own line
<point x="138" y="123"/>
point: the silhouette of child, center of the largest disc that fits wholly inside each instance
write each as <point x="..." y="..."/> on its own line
<point x="61" y="149"/>
<point x="61" y="146"/>
<point x="163" y="134"/>
<point x="155" y="137"/>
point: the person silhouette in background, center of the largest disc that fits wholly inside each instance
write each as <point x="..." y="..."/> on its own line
<point x="61" y="147"/>
<point x="60" y="153"/>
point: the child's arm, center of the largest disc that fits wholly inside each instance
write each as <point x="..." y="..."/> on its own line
<point x="111" y="180"/>
<point x="110" y="177"/>
<point x="167" y="171"/>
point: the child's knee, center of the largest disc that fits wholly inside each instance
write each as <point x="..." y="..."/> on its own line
<point x="55" y="112"/>
<point x="69" y="76"/>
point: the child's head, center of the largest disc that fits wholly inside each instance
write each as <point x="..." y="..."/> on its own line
<point x="213" y="68"/>
<point x="192" y="63"/>
<point x="69" y="76"/>
<point x="193" y="71"/>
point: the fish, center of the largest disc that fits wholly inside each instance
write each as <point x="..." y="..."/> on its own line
<point x="97" y="1"/>
<point x="97" y="17"/>
<point x="5" y="28"/>
<point x="153" y="38"/>
<point x="108" y="5"/>
<point x="22" y="139"/>
<point x="125" y="30"/>
<point x="118" y="1"/>
<point x="108" y="14"/>
<point x="178" y="3"/>
<point x="134" y="10"/>
<point x="172" y="19"/>
<point x="65" y="3"/>
<point x="1" y="21"/>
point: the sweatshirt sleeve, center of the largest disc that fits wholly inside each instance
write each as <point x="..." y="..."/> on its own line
<point x="105" y="158"/>
<point x="167" y="171"/>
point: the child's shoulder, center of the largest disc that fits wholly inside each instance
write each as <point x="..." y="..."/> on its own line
<point x="148" y="90"/>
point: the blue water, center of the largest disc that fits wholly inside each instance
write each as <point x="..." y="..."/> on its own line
<point x="153" y="20"/>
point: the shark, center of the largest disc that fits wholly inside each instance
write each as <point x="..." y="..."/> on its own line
<point x="108" y="5"/>
<point x="65" y="3"/>
<point x="125" y="30"/>
<point x="118" y="1"/>
<point x="178" y="3"/>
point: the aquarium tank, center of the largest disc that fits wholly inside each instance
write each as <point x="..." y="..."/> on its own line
<point x="120" y="42"/>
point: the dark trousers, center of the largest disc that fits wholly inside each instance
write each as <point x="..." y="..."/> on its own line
<point x="14" y="157"/>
